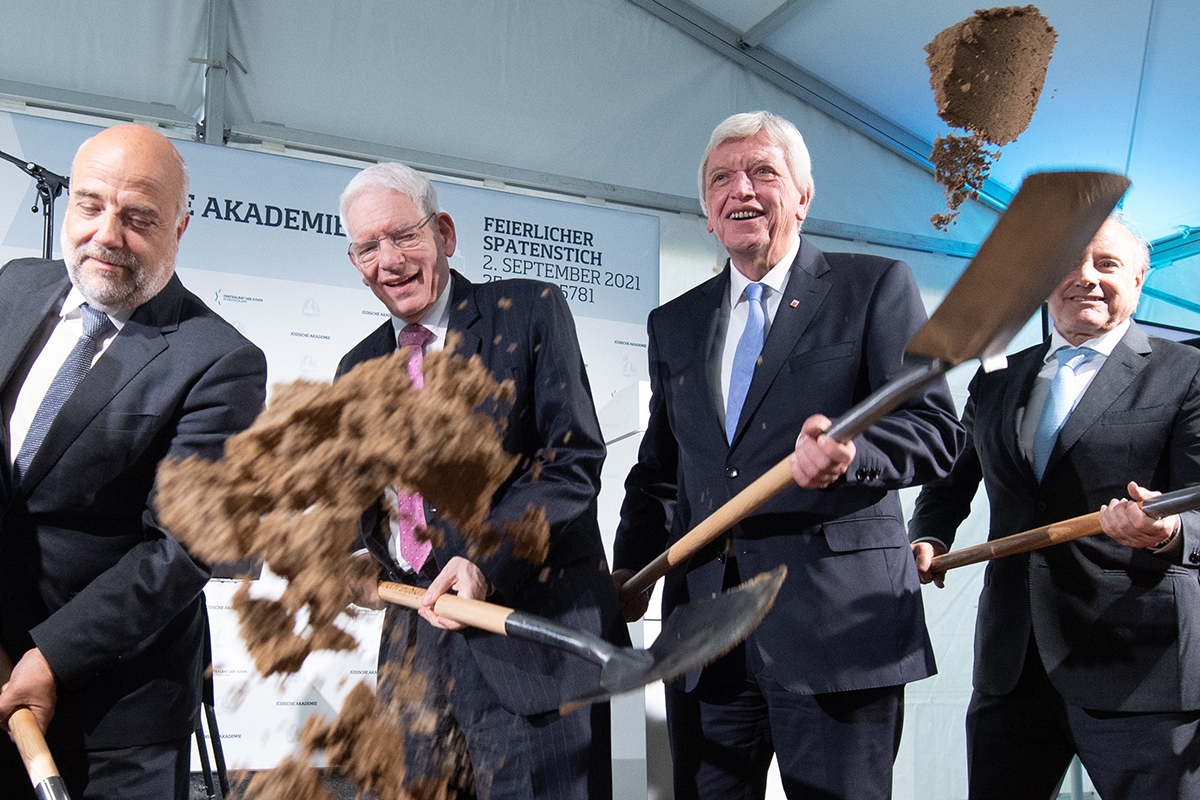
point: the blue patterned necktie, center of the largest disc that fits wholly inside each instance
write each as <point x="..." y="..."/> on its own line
<point x="96" y="325"/>
<point x="1059" y="403"/>
<point x="745" y="357"/>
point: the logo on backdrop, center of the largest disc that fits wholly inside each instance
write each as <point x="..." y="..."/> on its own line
<point x="222" y="297"/>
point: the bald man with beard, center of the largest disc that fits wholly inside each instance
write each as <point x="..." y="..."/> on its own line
<point x="107" y="365"/>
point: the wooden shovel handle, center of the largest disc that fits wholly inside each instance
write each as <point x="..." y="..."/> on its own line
<point x="740" y="506"/>
<point x="1164" y="505"/>
<point x="1024" y="542"/>
<point x="779" y="477"/>
<point x="39" y="763"/>
<point x="475" y="613"/>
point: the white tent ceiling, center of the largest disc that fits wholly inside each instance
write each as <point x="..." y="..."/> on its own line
<point x="613" y="99"/>
<point x="1119" y="95"/>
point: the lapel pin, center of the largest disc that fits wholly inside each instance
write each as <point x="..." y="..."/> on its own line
<point x="794" y="303"/>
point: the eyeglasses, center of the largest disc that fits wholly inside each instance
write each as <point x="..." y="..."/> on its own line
<point x="403" y="239"/>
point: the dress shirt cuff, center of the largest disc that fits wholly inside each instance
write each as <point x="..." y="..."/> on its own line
<point x="1172" y="548"/>
<point x="933" y="540"/>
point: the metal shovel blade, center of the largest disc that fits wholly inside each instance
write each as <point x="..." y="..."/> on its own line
<point x="1037" y="241"/>
<point x="699" y="633"/>
<point x="695" y="634"/>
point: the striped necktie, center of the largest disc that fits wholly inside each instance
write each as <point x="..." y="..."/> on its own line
<point x="96" y="326"/>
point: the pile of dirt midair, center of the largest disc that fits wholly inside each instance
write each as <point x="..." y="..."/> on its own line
<point x="987" y="74"/>
<point x="366" y="745"/>
<point x="291" y="488"/>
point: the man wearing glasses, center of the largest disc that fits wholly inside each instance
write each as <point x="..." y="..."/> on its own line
<point x="498" y="696"/>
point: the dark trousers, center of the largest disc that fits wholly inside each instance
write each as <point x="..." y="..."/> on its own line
<point x="828" y="746"/>
<point x="1019" y="745"/>
<point x="147" y="772"/>
<point x="461" y="731"/>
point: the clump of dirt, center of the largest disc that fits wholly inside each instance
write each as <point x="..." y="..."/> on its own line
<point x="987" y="74"/>
<point x="291" y="488"/>
<point x="366" y="744"/>
<point x="960" y="164"/>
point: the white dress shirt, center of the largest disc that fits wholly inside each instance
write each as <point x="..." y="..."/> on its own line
<point x="735" y="311"/>
<point x="60" y="344"/>
<point x="1027" y="417"/>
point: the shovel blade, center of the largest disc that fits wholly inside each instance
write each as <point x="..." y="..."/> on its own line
<point x="1037" y="241"/>
<point x="696" y="634"/>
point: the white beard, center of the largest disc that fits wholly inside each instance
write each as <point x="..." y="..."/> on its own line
<point x="110" y="294"/>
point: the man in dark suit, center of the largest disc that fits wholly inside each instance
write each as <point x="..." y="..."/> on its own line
<point x="502" y="695"/>
<point x="99" y="607"/>
<point x="1087" y="647"/>
<point x="740" y="364"/>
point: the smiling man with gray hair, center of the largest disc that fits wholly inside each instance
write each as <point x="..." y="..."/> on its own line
<point x="785" y="335"/>
<point x="499" y="697"/>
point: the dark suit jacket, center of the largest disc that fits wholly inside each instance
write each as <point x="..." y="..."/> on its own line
<point x="849" y="615"/>
<point x="551" y="424"/>
<point x="1115" y="626"/>
<point x="86" y="575"/>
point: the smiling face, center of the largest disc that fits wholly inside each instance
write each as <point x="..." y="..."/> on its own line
<point x="407" y="280"/>
<point x="754" y="206"/>
<point x="123" y="222"/>
<point x="1103" y="291"/>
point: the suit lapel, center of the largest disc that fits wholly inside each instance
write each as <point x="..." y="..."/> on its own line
<point x="1119" y="370"/>
<point x="807" y="290"/>
<point x="27" y="311"/>
<point x="140" y="341"/>
<point x="29" y="316"/>
<point x="464" y="315"/>
<point x="702" y="353"/>
<point x="1024" y="368"/>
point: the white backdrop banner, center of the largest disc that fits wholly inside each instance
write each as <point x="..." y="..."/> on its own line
<point x="266" y="250"/>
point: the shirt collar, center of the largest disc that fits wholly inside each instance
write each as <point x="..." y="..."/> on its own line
<point x="437" y="318"/>
<point x="776" y="279"/>
<point x="1103" y="344"/>
<point x="75" y="299"/>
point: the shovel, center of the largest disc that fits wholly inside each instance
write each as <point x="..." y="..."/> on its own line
<point x="1036" y="242"/>
<point x="1066" y="531"/>
<point x="43" y="772"/>
<point x="695" y="634"/>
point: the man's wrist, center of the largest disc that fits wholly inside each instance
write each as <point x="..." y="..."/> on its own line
<point x="1171" y="538"/>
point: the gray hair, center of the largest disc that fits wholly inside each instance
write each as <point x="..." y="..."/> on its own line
<point x="1125" y="221"/>
<point x="390" y="175"/>
<point x="779" y="130"/>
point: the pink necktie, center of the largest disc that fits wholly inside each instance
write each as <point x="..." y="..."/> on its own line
<point x="410" y="509"/>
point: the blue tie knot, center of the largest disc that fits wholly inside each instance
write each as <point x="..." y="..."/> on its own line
<point x="754" y="292"/>
<point x="1073" y="357"/>
<point x="95" y="322"/>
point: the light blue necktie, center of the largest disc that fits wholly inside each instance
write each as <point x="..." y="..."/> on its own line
<point x="745" y="357"/>
<point x="95" y="325"/>
<point x="1058" y="406"/>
